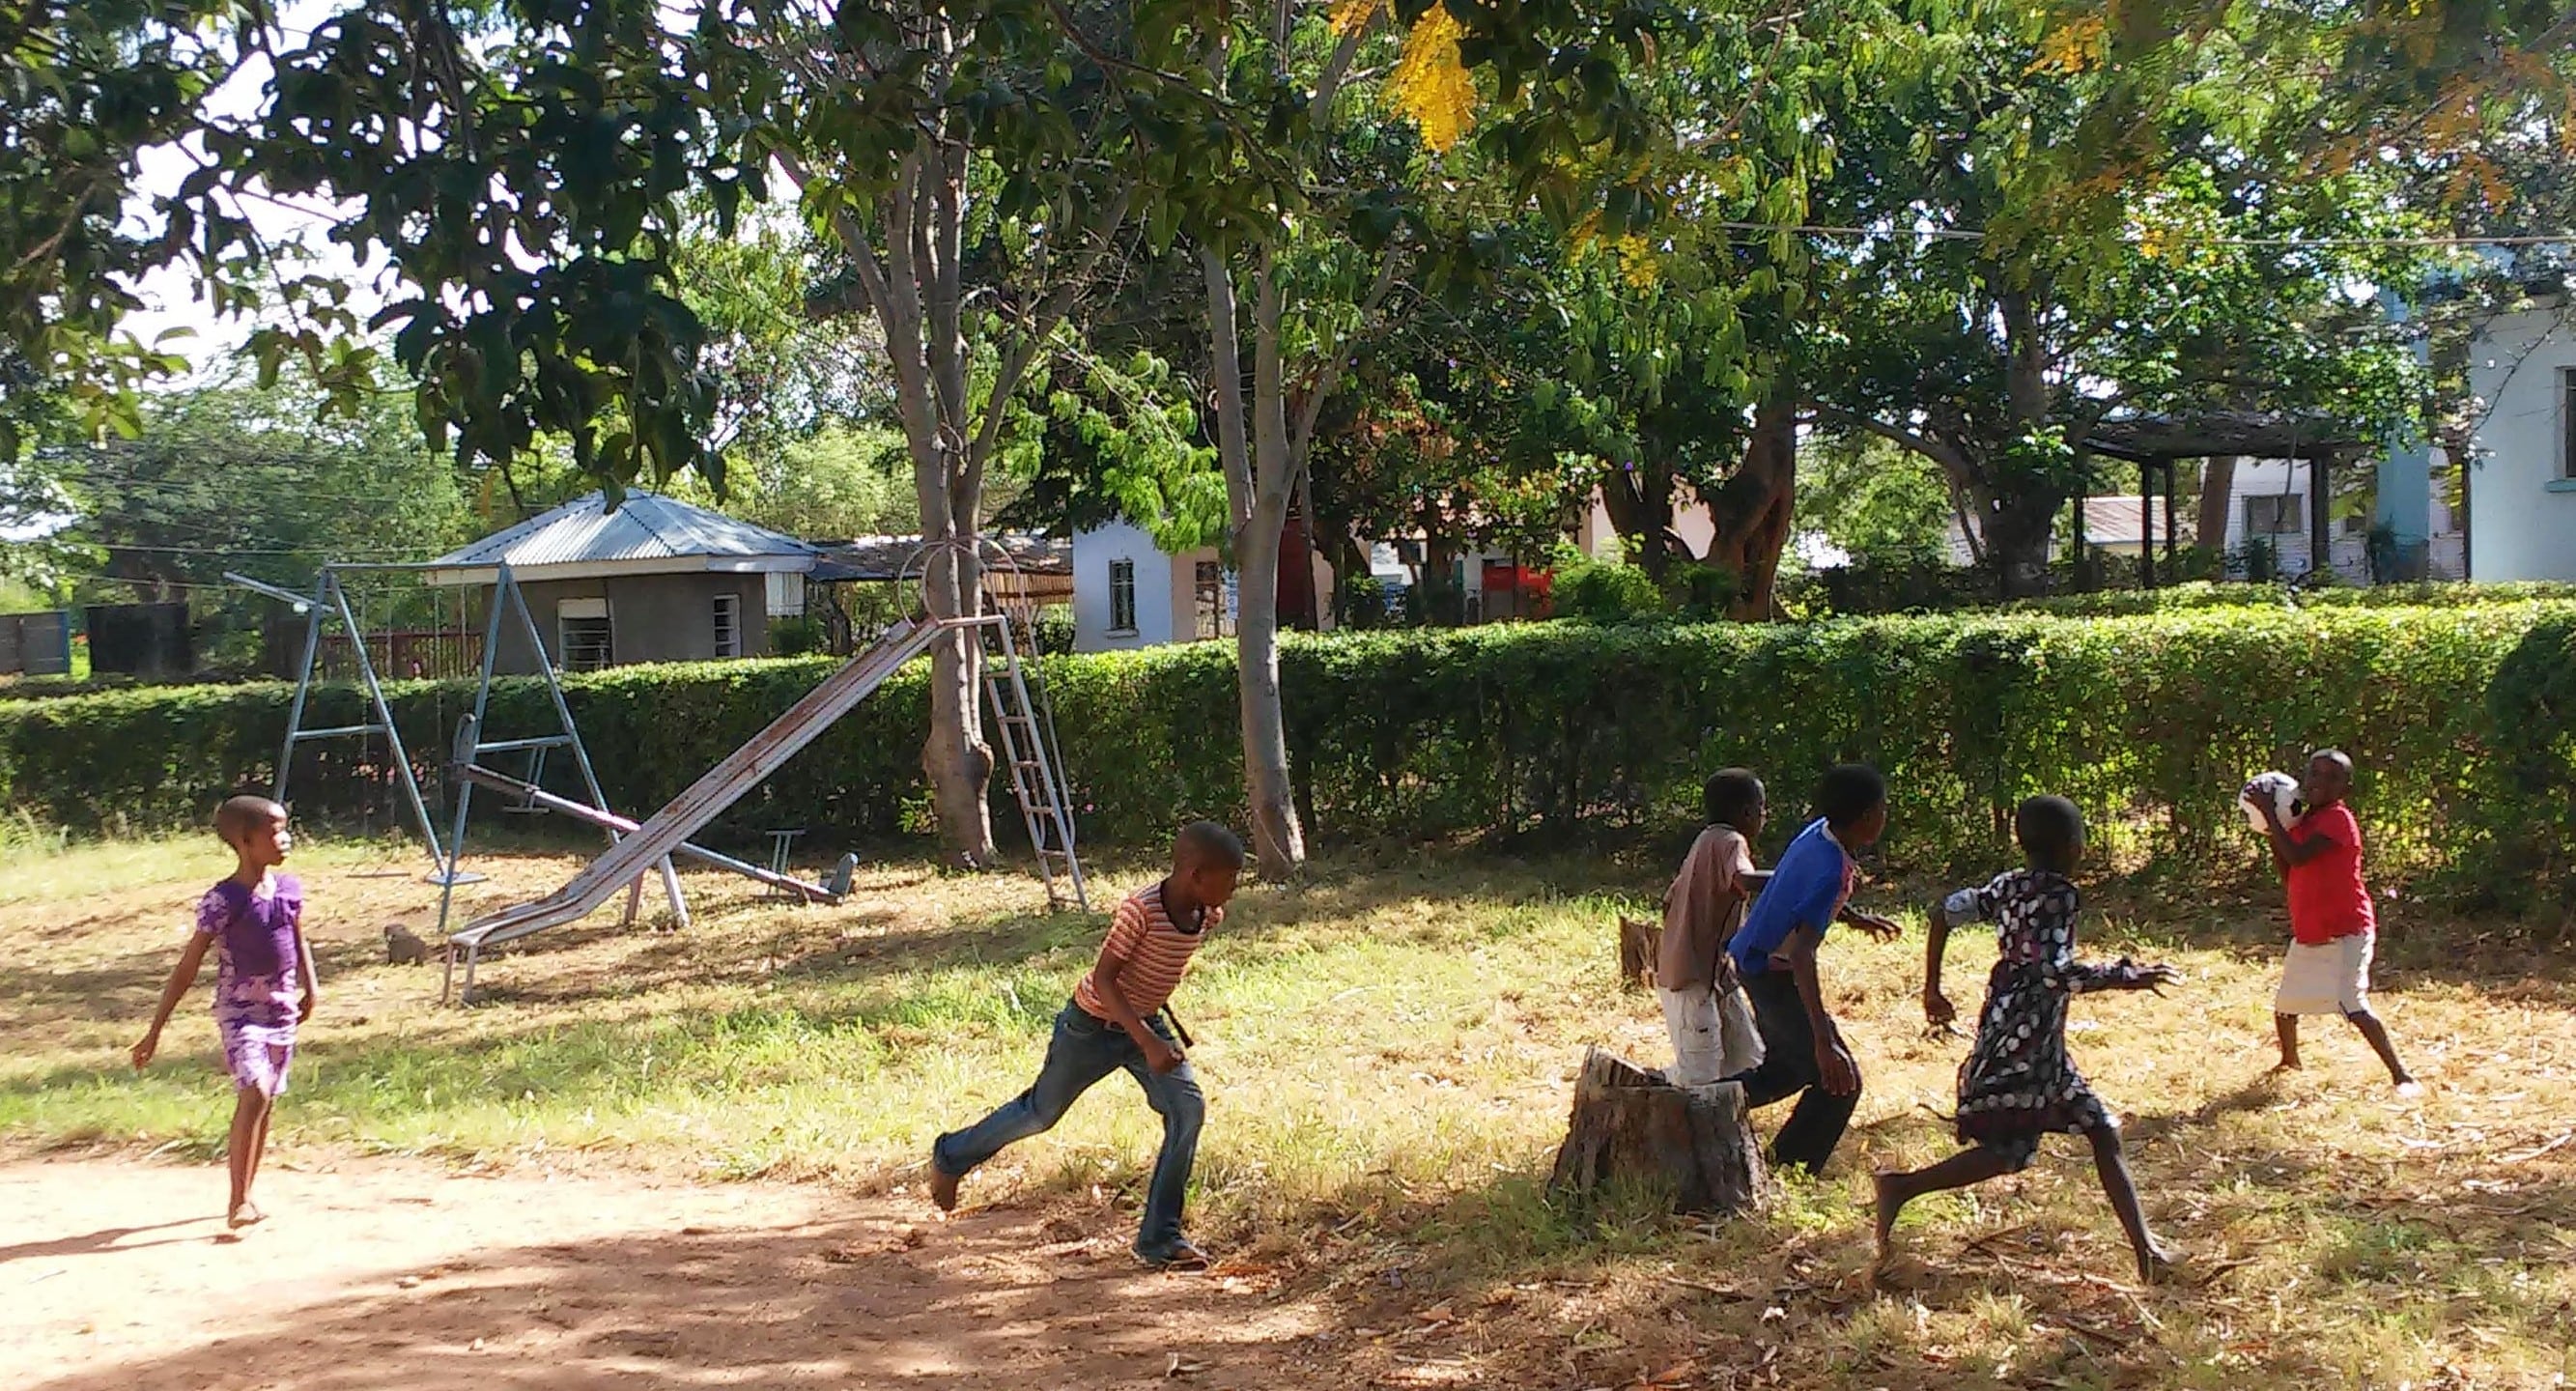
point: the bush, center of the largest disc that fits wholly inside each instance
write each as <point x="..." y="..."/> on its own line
<point x="1603" y="591"/>
<point x="2459" y="718"/>
<point x="800" y="636"/>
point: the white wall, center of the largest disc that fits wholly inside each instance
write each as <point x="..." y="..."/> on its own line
<point x="2522" y="504"/>
<point x="1094" y="552"/>
<point x="1596" y="536"/>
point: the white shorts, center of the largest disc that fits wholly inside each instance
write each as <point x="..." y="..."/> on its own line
<point x="1713" y="1036"/>
<point x="2327" y="978"/>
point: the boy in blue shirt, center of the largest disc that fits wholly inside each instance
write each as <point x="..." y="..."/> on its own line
<point x="1775" y="954"/>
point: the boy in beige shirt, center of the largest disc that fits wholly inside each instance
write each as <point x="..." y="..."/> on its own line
<point x="1704" y="1007"/>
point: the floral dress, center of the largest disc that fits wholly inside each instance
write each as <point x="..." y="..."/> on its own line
<point x="2018" y="1083"/>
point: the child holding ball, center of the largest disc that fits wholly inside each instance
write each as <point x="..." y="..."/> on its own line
<point x="2332" y="924"/>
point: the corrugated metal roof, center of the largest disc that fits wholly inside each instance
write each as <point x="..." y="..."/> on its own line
<point x="2112" y="522"/>
<point x="883" y="558"/>
<point x="645" y="527"/>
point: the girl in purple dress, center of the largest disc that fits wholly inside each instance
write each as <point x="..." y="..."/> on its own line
<point x="264" y="982"/>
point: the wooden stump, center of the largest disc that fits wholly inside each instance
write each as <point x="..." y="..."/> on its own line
<point x="1640" y="943"/>
<point x="1630" y="1126"/>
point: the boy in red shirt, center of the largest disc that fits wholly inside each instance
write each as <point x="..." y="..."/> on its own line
<point x="2332" y="924"/>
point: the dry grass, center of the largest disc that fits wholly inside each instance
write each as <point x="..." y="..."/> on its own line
<point x="1387" y="1051"/>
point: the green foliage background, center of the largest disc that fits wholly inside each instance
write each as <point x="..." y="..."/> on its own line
<point x="2459" y="717"/>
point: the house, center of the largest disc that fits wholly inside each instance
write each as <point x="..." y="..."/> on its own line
<point x="656" y="580"/>
<point x="2267" y="507"/>
<point x="2522" y="476"/>
<point x="1129" y="592"/>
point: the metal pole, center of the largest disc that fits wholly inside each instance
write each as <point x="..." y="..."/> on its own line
<point x="303" y="687"/>
<point x="502" y="582"/>
<point x="2146" y="524"/>
<point x="385" y="713"/>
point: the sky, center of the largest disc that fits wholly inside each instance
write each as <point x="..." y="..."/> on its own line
<point x="171" y="298"/>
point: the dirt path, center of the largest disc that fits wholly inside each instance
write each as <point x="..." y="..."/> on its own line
<point x="117" y="1274"/>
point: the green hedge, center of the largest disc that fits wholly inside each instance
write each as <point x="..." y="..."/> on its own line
<point x="2459" y="717"/>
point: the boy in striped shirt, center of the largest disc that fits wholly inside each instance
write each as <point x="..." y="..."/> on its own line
<point x="1115" y="1020"/>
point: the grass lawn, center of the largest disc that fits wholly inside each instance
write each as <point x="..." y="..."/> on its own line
<point x="1387" y="1050"/>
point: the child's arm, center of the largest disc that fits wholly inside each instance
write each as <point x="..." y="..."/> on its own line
<point x="1160" y="1056"/>
<point x="182" y="976"/>
<point x="1833" y="1061"/>
<point x="1937" y="1009"/>
<point x="2288" y="851"/>
<point x="1874" y="925"/>
<point x="312" y="982"/>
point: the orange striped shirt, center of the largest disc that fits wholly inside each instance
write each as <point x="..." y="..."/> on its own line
<point x="1156" y="951"/>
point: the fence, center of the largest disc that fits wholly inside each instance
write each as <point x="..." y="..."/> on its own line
<point x="35" y="644"/>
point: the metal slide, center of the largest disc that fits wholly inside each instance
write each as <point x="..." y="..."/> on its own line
<point x="720" y="787"/>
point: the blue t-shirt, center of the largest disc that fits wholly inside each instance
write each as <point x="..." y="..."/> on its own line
<point x="1808" y="887"/>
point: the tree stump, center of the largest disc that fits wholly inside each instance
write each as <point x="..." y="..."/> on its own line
<point x="1640" y="943"/>
<point x="1629" y="1126"/>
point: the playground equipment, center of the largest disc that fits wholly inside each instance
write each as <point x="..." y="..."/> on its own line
<point x="328" y="603"/>
<point x="1012" y="683"/>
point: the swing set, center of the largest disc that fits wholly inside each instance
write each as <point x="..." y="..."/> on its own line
<point x="1014" y="686"/>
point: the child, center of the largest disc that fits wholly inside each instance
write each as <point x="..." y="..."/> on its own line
<point x="2018" y="1084"/>
<point x="264" y="980"/>
<point x="1113" y="1022"/>
<point x="1704" y="1008"/>
<point x="2332" y="923"/>
<point x="1775" y="952"/>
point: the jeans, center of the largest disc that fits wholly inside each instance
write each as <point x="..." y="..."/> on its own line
<point x="1788" y="1066"/>
<point x="1083" y="1051"/>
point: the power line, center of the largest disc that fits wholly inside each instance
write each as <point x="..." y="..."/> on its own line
<point x="2293" y="243"/>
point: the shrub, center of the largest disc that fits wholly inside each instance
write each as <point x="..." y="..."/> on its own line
<point x="1602" y="591"/>
<point x="2459" y="717"/>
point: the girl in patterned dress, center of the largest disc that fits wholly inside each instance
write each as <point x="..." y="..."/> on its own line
<point x="2018" y="1083"/>
<point x="264" y="983"/>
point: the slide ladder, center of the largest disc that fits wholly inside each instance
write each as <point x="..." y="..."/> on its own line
<point x="1016" y="686"/>
<point x="720" y="787"/>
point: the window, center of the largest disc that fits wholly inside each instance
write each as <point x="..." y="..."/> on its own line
<point x="583" y="638"/>
<point x="728" y="625"/>
<point x="1122" y="596"/>
<point x="2567" y="422"/>
<point x="1212" y="598"/>
<point x="2356" y="523"/>
<point x="2277" y="515"/>
<point x="786" y="595"/>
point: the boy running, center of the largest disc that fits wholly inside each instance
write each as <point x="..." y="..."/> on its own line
<point x="1803" y="1054"/>
<point x="1114" y="1021"/>
<point x="2333" y="927"/>
<point x="1704" y="1008"/>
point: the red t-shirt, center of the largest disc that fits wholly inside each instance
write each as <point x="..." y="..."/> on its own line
<point x="2327" y="898"/>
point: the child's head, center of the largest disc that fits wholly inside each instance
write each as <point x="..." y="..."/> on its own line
<point x="2329" y="778"/>
<point x="1207" y="859"/>
<point x="1734" y="797"/>
<point x="255" y="828"/>
<point x="1853" y="799"/>
<point x="2051" y="832"/>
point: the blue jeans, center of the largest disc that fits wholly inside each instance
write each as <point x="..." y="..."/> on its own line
<point x="1083" y="1051"/>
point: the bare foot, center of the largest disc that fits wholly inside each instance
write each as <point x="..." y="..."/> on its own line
<point x="2286" y="1065"/>
<point x="245" y="1215"/>
<point x="943" y="1188"/>
<point x="2157" y="1263"/>
<point x="1889" y="1204"/>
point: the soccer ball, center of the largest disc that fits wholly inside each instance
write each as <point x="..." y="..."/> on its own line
<point x="2284" y="792"/>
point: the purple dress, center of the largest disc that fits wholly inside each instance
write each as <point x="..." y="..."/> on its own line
<point x="257" y="994"/>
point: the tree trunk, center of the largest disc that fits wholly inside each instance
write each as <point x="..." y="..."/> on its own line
<point x="1640" y="943"/>
<point x="1753" y="511"/>
<point x="1630" y="1128"/>
<point x="1278" y="840"/>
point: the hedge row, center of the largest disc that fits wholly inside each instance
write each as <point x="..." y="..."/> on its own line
<point x="2459" y="717"/>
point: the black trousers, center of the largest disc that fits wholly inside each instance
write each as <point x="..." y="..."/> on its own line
<point x="1817" y="1122"/>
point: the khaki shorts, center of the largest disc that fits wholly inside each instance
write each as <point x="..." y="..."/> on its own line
<point x="1712" y="1033"/>
<point x="2326" y="978"/>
